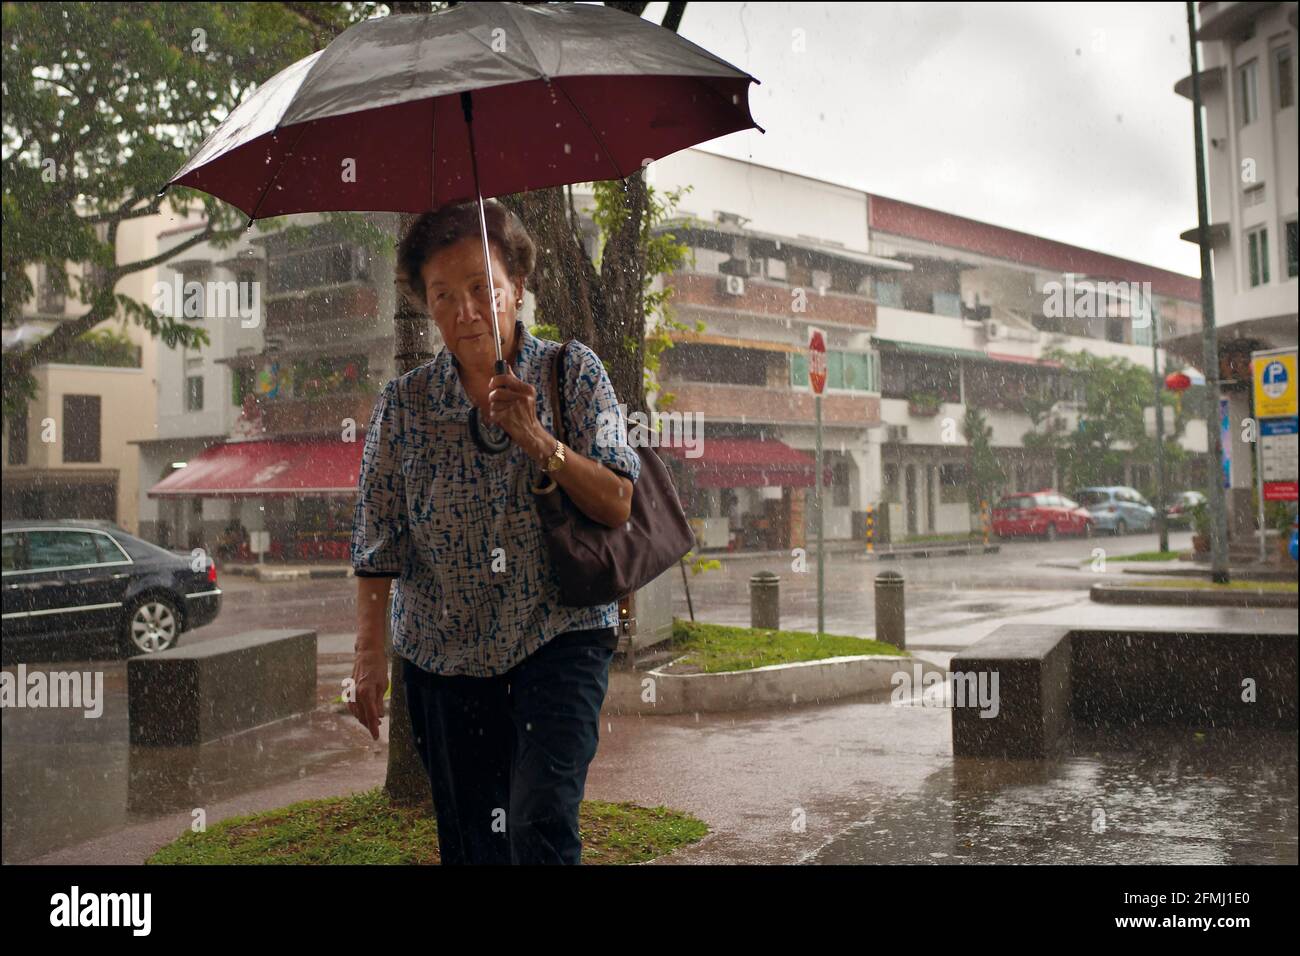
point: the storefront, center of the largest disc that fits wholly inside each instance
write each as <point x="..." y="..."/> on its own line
<point x="302" y="493"/>
<point x="745" y="493"/>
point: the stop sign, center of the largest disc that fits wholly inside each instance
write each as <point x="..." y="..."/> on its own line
<point x="817" y="360"/>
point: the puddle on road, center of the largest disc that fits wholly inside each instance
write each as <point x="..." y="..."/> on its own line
<point x="1172" y="797"/>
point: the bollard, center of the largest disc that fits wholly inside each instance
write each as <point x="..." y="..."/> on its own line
<point x="890" y="624"/>
<point x="765" y="601"/>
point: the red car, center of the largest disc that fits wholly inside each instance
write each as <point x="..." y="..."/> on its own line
<point x="1042" y="513"/>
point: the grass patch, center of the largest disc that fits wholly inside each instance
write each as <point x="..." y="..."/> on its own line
<point x="366" y="828"/>
<point x="1141" y="556"/>
<point x="1285" y="587"/>
<point x="718" y="647"/>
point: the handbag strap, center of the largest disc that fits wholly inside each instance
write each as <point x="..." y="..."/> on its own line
<point x="557" y="394"/>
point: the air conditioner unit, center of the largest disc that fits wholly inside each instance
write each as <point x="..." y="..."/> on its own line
<point x="732" y="285"/>
<point x="993" y="329"/>
<point x="896" y="433"/>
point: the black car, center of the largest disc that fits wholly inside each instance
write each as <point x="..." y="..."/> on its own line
<point x="79" y="577"/>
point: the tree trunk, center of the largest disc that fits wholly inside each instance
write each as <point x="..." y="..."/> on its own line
<point x="406" y="782"/>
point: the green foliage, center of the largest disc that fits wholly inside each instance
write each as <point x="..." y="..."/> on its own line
<point x="715" y="648"/>
<point x="103" y="103"/>
<point x="663" y="254"/>
<point x="986" y="474"/>
<point x="103" y="348"/>
<point x="369" y="828"/>
<point x="1112" y="425"/>
<point x="699" y="564"/>
<point x="1201" y="519"/>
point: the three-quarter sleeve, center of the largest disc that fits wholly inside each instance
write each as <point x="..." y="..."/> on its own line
<point x="597" y="426"/>
<point x="379" y="529"/>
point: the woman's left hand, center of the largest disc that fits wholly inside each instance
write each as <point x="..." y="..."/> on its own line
<point x="512" y="404"/>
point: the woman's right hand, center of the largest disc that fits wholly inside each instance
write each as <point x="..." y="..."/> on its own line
<point x="369" y="684"/>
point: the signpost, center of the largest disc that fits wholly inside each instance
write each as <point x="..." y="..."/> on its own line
<point x="817" y="378"/>
<point x="1273" y="373"/>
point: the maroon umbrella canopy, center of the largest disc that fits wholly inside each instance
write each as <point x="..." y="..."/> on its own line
<point x="559" y="93"/>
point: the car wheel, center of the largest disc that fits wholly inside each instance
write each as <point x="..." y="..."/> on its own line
<point x="153" y="624"/>
<point x="1050" y="533"/>
<point x="1121" y="527"/>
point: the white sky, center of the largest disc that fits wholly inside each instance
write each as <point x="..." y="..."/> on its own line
<point x="1057" y="119"/>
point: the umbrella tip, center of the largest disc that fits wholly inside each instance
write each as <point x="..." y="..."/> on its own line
<point x="166" y="186"/>
<point x="249" y="225"/>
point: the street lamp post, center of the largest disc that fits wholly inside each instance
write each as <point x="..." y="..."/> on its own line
<point x="1209" y="343"/>
<point x="1162" y="523"/>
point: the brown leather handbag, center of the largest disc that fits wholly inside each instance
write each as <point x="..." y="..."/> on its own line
<point x="597" y="564"/>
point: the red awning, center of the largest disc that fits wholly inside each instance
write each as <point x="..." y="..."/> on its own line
<point x="243" y="469"/>
<point x="1022" y="359"/>
<point x="750" y="463"/>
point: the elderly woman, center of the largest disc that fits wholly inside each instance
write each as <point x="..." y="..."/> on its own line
<point x="504" y="684"/>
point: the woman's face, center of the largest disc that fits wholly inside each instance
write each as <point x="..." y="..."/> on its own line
<point x="456" y="289"/>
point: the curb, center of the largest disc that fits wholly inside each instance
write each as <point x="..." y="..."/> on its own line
<point x="270" y="573"/>
<point x="934" y="551"/>
<point x="1190" y="597"/>
<point x="775" y="685"/>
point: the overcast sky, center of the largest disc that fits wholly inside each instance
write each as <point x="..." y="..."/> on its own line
<point x="1058" y="119"/>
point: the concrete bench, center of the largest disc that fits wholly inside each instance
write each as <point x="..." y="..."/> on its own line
<point x="1053" y="678"/>
<point x="195" y="693"/>
<point x="1033" y="716"/>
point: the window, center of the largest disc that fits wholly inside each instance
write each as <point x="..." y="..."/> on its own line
<point x="194" y="393"/>
<point x="834" y="369"/>
<point x="1257" y="250"/>
<point x="1290" y="229"/>
<point x="49" y="298"/>
<point x="799" y="370"/>
<point x="10" y="550"/>
<point x="61" y="549"/>
<point x="952" y="483"/>
<point x="18" y="438"/>
<point x="1283" y="78"/>
<point x="1248" y="93"/>
<point x="840" y="484"/>
<point x="889" y="294"/>
<point x="80" y="428"/>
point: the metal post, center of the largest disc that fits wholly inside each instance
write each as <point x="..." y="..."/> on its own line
<point x="1210" y="349"/>
<point x="1162" y="523"/>
<point x="765" y="601"/>
<point x="1259" y="481"/>
<point x="891" y="623"/>
<point x="821" y="555"/>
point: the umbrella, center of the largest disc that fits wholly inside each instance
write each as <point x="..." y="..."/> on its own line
<point x="558" y="93"/>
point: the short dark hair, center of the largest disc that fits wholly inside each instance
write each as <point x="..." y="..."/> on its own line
<point x="448" y="225"/>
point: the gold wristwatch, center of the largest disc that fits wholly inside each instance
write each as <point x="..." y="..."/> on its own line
<point x="556" y="461"/>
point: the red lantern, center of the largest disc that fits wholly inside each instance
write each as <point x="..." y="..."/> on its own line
<point x="1177" y="382"/>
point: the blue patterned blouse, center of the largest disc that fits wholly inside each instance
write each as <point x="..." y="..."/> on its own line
<point x="459" y="528"/>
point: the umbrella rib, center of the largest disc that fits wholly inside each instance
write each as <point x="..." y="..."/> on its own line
<point x="586" y="122"/>
<point x="271" y="182"/>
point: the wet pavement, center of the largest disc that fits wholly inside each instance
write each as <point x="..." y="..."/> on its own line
<point x="857" y="781"/>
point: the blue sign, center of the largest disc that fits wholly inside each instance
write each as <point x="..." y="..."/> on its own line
<point x="1274" y="380"/>
<point x="1225" y="441"/>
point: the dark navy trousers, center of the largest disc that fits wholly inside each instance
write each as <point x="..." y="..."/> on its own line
<point x="507" y="756"/>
